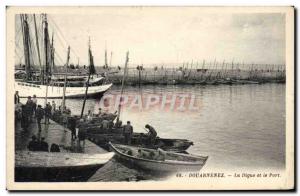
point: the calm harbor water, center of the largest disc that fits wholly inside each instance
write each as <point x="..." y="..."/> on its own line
<point x="238" y="126"/>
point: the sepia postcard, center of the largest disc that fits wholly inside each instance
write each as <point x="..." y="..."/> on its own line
<point x="150" y="98"/>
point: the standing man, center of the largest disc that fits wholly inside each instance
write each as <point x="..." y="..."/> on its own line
<point x="81" y="132"/>
<point x="34" y="104"/>
<point x="72" y="126"/>
<point x="39" y="114"/>
<point x="29" y="108"/>
<point x="128" y="132"/>
<point x="17" y="97"/>
<point x="151" y="134"/>
<point x="53" y="107"/>
<point x="47" y="112"/>
<point x="24" y="118"/>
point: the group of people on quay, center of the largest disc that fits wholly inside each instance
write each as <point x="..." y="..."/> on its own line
<point x="30" y="113"/>
<point x="30" y="110"/>
<point x="26" y="113"/>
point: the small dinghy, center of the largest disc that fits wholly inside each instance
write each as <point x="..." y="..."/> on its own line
<point x="157" y="160"/>
<point x="57" y="166"/>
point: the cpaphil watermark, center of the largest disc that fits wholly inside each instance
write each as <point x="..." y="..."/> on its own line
<point x="146" y="101"/>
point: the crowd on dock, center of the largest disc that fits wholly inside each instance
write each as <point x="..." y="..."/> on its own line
<point x="31" y="112"/>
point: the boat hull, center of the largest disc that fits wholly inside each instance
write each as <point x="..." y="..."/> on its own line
<point x="28" y="89"/>
<point x="175" y="145"/>
<point x="158" y="166"/>
<point x="57" y="167"/>
<point x="56" y="174"/>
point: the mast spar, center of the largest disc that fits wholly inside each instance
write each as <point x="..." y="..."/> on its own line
<point x="65" y="81"/>
<point x="91" y="67"/>
<point x="37" y="42"/>
<point x="52" y="54"/>
<point x="105" y="62"/>
<point x="122" y="88"/>
<point x="26" y="42"/>
<point x="46" y="50"/>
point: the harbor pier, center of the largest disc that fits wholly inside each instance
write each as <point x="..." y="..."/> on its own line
<point x="53" y="134"/>
<point x="60" y="135"/>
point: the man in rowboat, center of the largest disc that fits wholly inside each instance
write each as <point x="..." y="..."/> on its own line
<point x="151" y="134"/>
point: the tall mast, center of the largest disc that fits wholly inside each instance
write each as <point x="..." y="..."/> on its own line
<point x="52" y="54"/>
<point x="123" y="81"/>
<point x="25" y="31"/>
<point x="37" y="42"/>
<point x="65" y="81"/>
<point x="46" y="45"/>
<point x="105" y="62"/>
<point x="91" y="65"/>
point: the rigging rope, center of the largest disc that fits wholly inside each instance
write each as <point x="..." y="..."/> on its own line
<point x="63" y="37"/>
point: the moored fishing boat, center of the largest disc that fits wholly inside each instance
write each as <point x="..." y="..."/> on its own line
<point x="139" y="140"/>
<point x="157" y="160"/>
<point x="28" y="89"/>
<point x="58" y="167"/>
<point x="39" y="77"/>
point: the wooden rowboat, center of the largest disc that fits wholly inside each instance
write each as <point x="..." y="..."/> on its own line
<point x="169" y="162"/>
<point x="57" y="167"/>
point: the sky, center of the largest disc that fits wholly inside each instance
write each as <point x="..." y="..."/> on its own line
<point x="169" y="35"/>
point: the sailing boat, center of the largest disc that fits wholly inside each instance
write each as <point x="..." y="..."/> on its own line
<point x="39" y="82"/>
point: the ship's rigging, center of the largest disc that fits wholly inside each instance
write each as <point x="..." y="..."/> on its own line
<point x="40" y="58"/>
<point x="36" y="51"/>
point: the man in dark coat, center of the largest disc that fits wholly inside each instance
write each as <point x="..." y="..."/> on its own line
<point x="17" y="97"/>
<point x="151" y="134"/>
<point x="128" y="132"/>
<point x="33" y="144"/>
<point x="24" y="118"/>
<point x="54" y="148"/>
<point x="44" y="145"/>
<point x="29" y="108"/>
<point x="72" y="126"/>
<point x="39" y="116"/>
<point x="34" y="104"/>
<point x="48" y="109"/>
<point x="81" y="132"/>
